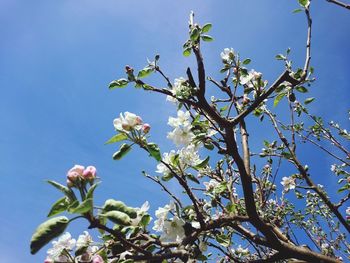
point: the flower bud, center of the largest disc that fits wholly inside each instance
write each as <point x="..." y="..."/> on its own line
<point x="75" y="172"/>
<point x="146" y="128"/>
<point x="97" y="259"/>
<point x="245" y="99"/>
<point x="138" y="120"/>
<point x="129" y="69"/>
<point x="235" y="70"/>
<point x="89" y="173"/>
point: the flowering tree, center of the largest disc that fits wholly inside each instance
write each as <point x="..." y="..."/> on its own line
<point x="234" y="209"/>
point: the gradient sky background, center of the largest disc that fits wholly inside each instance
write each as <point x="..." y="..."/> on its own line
<point x="57" y="58"/>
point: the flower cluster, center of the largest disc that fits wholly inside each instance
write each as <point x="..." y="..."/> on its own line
<point x="79" y="173"/>
<point x="182" y="134"/>
<point x="60" y="251"/>
<point x="181" y="89"/>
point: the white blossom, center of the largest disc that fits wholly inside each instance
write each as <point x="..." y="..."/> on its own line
<point x="181" y="135"/>
<point x="140" y="213"/>
<point x="64" y="242"/>
<point x="288" y="183"/>
<point x="250" y="79"/>
<point x="240" y="252"/>
<point x="227" y="55"/>
<point x="167" y="158"/>
<point x="162" y="214"/>
<point x="182" y="119"/>
<point x="84" y="240"/>
<point x="173" y="230"/>
<point x="211" y="184"/>
<point x="127" y="122"/>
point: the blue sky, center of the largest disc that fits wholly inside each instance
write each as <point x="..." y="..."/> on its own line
<point x="57" y="58"/>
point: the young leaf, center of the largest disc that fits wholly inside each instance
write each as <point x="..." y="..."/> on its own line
<point x="194" y="34"/>
<point x="207" y="38"/>
<point x="59" y="206"/>
<point x="154" y="151"/>
<point x="47" y="231"/>
<point x="304" y="3"/>
<point x="187" y="52"/>
<point x="120" y="83"/>
<point x="309" y="100"/>
<point x="280" y="57"/>
<point x="90" y="193"/>
<point x="123" y="150"/>
<point x="83" y="207"/>
<point x="206" y="28"/>
<point x="246" y="61"/>
<point x="223" y="240"/>
<point x="278" y="99"/>
<point x="301" y="89"/>
<point x="192" y="178"/>
<point x="67" y="191"/>
<point x="202" y="164"/>
<point x="117" y="217"/>
<point x="117" y="138"/>
<point x="297" y="10"/>
<point x="144" y="72"/>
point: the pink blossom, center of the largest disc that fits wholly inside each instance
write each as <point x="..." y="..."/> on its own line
<point x="146" y="127"/>
<point x="75" y="172"/>
<point x="89" y="173"/>
<point x="97" y="259"/>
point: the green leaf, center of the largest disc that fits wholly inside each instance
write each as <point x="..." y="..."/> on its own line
<point x="67" y="191"/>
<point x="301" y="89"/>
<point x="145" y="220"/>
<point x="192" y="178"/>
<point x="154" y="151"/>
<point x="246" y="61"/>
<point x="118" y="217"/>
<point x="206" y="28"/>
<point x="59" y="206"/>
<point x="90" y="193"/>
<point x="47" y="231"/>
<point x="304" y="3"/>
<point x="202" y="164"/>
<point x="123" y="150"/>
<point x="278" y="99"/>
<point x="207" y="38"/>
<point x="296" y="10"/>
<point x="83" y="207"/>
<point x="120" y="83"/>
<point x="117" y="138"/>
<point x="167" y="177"/>
<point x="309" y="100"/>
<point x="223" y="240"/>
<point x="280" y="57"/>
<point x="194" y="34"/>
<point x="187" y="52"/>
<point x="345" y="187"/>
<point x="144" y="72"/>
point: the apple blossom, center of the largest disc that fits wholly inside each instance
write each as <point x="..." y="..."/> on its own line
<point x="173" y="230"/>
<point x="65" y="242"/>
<point x="146" y="128"/>
<point x="227" y="55"/>
<point x="209" y="186"/>
<point x="127" y="122"/>
<point x="288" y="183"/>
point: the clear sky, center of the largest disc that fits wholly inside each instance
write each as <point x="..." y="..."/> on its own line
<point x="57" y="58"/>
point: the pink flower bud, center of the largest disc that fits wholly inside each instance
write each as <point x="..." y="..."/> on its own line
<point x="48" y="260"/>
<point x="138" y="120"/>
<point x="146" y="127"/>
<point x="89" y="173"/>
<point x="75" y="172"/>
<point x="97" y="259"/>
